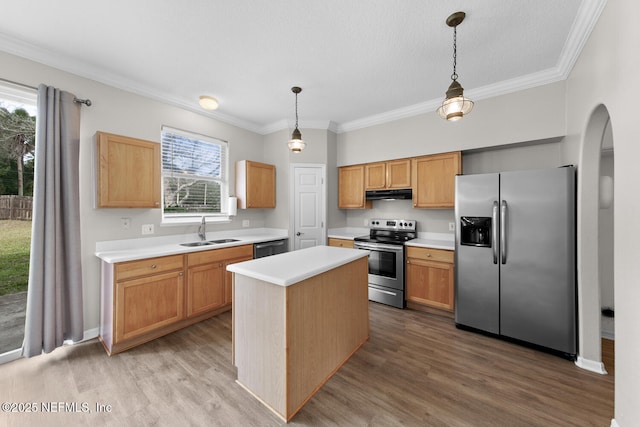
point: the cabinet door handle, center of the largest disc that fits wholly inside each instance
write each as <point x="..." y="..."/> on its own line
<point x="180" y="274"/>
<point x="428" y="254"/>
<point x="153" y="266"/>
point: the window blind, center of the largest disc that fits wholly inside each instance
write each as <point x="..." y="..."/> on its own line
<point x="194" y="174"/>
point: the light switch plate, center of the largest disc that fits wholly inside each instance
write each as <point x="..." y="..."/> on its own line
<point x="245" y="223"/>
<point x="452" y="226"/>
<point x="147" y="229"/>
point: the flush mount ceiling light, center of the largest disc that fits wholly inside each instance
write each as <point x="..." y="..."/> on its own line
<point x="455" y="105"/>
<point x="208" y="102"/>
<point x="296" y="144"/>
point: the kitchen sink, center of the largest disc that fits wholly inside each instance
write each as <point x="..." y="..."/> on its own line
<point x="208" y="243"/>
<point x="223" y="241"/>
<point x="192" y="244"/>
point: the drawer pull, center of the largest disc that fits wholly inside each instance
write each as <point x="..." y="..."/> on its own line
<point x="153" y="266"/>
<point x="428" y="254"/>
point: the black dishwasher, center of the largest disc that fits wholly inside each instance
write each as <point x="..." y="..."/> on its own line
<point x="274" y="247"/>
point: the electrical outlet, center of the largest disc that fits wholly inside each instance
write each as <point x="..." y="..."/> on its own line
<point x="366" y="222"/>
<point x="125" y="223"/>
<point x="147" y="229"/>
<point x="452" y="226"/>
<point x="245" y="223"/>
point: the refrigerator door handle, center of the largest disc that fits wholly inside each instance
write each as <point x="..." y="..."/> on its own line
<point x="503" y="232"/>
<point x="494" y="232"/>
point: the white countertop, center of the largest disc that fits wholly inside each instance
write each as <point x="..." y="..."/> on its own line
<point x="348" y="233"/>
<point x="292" y="267"/>
<point x="113" y="251"/>
<point x="434" y="241"/>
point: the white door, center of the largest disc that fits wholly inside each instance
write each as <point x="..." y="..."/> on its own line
<point x="308" y="206"/>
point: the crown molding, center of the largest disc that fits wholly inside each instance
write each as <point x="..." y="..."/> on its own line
<point x="586" y="19"/>
<point x="306" y="124"/>
<point x="68" y="64"/>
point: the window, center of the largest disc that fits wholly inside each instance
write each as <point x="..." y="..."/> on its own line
<point x="194" y="177"/>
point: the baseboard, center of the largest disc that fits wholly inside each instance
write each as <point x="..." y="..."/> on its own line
<point x="90" y="334"/>
<point x="591" y="365"/>
<point x="10" y="356"/>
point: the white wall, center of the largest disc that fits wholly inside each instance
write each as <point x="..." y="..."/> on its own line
<point x="605" y="76"/>
<point x="532" y="115"/>
<point x="128" y="114"/>
<point x="606" y="251"/>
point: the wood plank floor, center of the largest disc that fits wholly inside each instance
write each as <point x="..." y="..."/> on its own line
<point x="417" y="369"/>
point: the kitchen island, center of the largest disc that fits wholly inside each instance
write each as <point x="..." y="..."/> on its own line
<point x="297" y="318"/>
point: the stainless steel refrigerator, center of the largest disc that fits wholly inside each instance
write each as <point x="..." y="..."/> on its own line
<point x="515" y="269"/>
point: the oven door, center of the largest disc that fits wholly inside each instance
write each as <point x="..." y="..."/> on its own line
<point x="386" y="266"/>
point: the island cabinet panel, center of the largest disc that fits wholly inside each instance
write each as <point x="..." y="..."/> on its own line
<point x="128" y="172"/>
<point x="429" y="278"/>
<point x="289" y="340"/>
<point x="340" y="243"/>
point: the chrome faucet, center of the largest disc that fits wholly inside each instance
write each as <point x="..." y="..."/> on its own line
<point x="202" y="230"/>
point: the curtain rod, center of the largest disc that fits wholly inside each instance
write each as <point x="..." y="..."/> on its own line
<point x="86" y="102"/>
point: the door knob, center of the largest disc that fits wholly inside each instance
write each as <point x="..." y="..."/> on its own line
<point x="299" y="233"/>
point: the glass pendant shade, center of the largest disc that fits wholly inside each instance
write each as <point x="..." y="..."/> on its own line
<point x="296" y="144"/>
<point x="455" y="105"/>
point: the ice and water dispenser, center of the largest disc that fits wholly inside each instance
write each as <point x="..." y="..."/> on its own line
<point x="475" y="231"/>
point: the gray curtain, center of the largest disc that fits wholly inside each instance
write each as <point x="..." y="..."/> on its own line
<point x="54" y="296"/>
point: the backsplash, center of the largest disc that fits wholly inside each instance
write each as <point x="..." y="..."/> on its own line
<point x="429" y="220"/>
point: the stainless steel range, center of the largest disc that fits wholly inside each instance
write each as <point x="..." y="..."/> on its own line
<point x="386" y="241"/>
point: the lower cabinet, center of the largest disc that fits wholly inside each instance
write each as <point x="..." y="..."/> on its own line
<point x="429" y="277"/>
<point x="341" y="243"/>
<point x="205" y="288"/>
<point x="147" y="304"/>
<point x="144" y="299"/>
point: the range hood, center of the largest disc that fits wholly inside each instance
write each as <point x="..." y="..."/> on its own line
<point x="401" y="194"/>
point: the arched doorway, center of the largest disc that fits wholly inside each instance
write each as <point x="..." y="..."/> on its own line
<point x="591" y="237"/>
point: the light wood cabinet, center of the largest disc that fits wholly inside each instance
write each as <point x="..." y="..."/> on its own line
<point x="205" y="288"/>
<point x="145" y="299"/>
<point x="391" y="174"/>
<point x="341" y="243"/>
<point x="128" y="172"/>
<point x="208" y="285"/>
<point x="351" y="188"/>
<point x="434" y="180"/>
<point x="148" y="296"/>
<point x="255" y="185"/>
<point x="429" y="277"/>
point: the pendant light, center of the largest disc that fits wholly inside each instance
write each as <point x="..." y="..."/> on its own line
<point x="455" y="105"/>
<point x="296" y="144"/>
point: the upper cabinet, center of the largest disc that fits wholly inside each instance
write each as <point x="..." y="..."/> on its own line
<point x="255" y="184"/>
<point x="434" y="180"/>
<point x="128" y="172"/>
<point x="351" y="188"/>
<point x="391" y="174"/>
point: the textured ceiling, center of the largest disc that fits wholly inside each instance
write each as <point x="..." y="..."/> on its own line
<point x="358" y="62"/>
